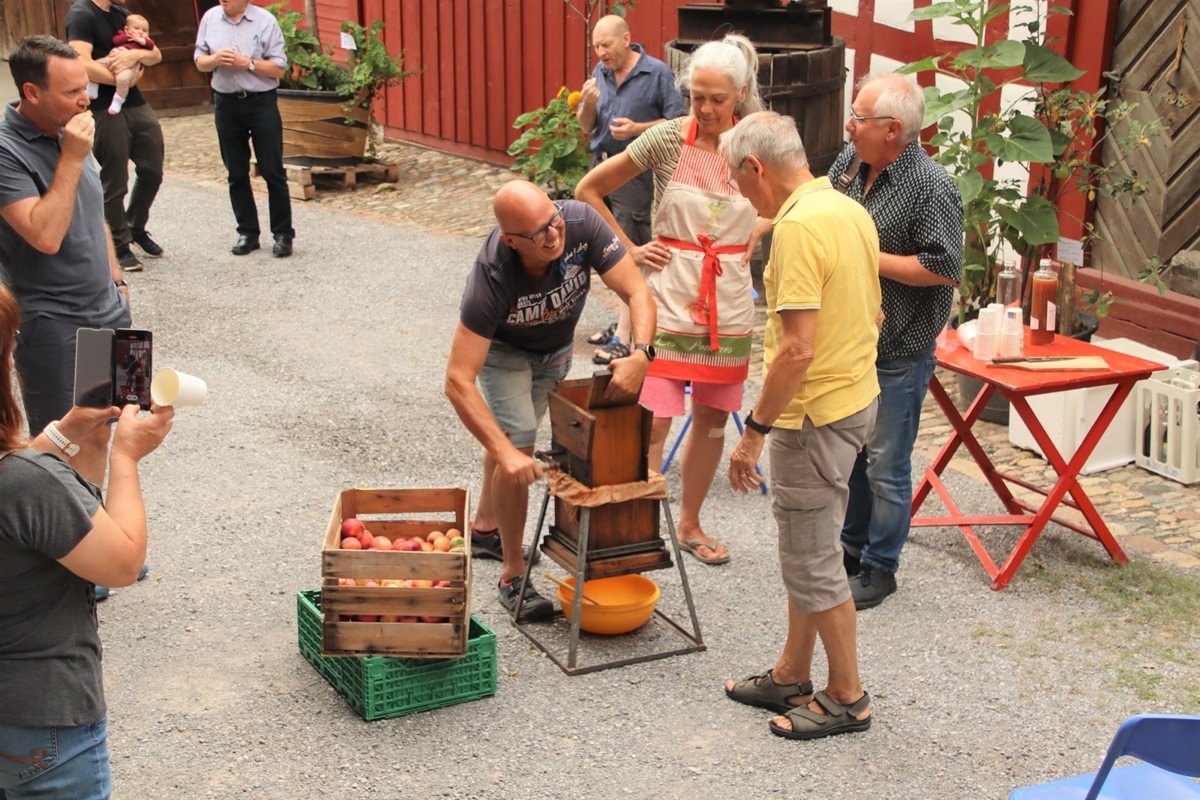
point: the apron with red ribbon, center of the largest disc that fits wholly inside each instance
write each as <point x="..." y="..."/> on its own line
<point x="704" y="295"/>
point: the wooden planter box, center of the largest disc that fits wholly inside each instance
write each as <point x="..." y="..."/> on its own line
<point x="317" y="126"/>
<point x="396" y="513"/>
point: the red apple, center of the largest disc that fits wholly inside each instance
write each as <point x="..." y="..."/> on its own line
<point x="442" y="585"/>
<point x="433" y="619"/>
<point x="433" y="535"/>
<point x="450" y="534"/>
<point x="426" y="547"/>
<point x="441" y="544"/>
<point x="351" y="543"/>
<point x="410" y="619"/>
<point x="366" y="539"/>
<point x="352" y="526"/>
<point x="381" y="543"/>
<point x="368" y="617"/>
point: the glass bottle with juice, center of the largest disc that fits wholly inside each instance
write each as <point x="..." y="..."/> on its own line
<point x="1042" y="312"/>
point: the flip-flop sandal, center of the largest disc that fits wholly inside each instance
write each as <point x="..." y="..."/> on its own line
<point x="614" y="350"/>
<point x="603" y="337"/>
<point x="763" y="692"/>
<point x="808" y="724"/>
<point x="693" y="546"/>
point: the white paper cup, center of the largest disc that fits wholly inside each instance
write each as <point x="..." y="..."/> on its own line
<point x="173" y="388"/>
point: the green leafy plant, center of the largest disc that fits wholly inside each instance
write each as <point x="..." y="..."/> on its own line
<point x="370" y="70"/>
<point x="552" y="150"/>
<point x="1045" y="126"/>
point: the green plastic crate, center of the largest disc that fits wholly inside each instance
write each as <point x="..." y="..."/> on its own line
<point x="380" y="688"/>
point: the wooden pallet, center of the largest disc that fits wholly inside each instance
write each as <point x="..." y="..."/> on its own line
<point x="303" y="181"/>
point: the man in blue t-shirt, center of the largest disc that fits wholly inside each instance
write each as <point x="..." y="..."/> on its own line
<point x="516" y="331"/>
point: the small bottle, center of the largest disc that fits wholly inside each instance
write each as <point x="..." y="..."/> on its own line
<point x="1042" y="311"/>
<point x="1008" y="285"/>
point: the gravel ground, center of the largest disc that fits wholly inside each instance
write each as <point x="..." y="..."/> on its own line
<point x="326" y="371"/>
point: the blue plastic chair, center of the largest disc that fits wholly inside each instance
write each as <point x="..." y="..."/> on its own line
<point x="1167" y="744"/>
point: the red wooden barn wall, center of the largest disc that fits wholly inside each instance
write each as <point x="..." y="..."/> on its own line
<point x="485" y="62"/>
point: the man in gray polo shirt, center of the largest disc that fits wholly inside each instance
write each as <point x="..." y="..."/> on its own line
<point x="55" y="250"/>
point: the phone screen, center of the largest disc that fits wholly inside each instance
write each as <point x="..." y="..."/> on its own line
<point x="93" y="367"/>
<point x="132" y="367"/>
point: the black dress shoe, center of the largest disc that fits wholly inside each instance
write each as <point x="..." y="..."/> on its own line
<point x="871" y="586"/>
<point x="244" y="245"/>
<point x="283" y="246"/>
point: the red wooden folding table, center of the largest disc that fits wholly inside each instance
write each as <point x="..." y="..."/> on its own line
<point x="1016" y="385"/>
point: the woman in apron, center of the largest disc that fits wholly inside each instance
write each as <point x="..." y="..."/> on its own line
<point x="697" y="267"/>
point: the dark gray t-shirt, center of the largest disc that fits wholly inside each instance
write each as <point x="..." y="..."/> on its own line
<point x="502" y="302"/>
<point x="75" y="284"/>
<point x="49" y="646"/>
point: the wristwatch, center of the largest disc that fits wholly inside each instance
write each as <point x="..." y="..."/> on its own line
<point x="648" y="349"/>
<point x="754" y="425"/>
<point x="251" y="65"/>
<point x="61" y="442"/>
<point x="120" y="283"/>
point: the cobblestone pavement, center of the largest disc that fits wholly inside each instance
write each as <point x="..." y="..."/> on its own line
<point x="438" y="191"/>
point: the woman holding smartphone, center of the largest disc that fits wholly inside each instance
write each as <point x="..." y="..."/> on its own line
<point x="57" y="539"/>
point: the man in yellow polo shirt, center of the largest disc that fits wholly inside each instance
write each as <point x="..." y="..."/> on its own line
<point x="818" y="404"/>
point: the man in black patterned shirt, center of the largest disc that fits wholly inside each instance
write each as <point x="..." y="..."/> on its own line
<point x="918" y="212"/>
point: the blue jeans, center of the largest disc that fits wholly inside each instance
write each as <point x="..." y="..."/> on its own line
<point x="880" y="508"/>
<point x="516" y="384"/>
<point x="55" y="762"/>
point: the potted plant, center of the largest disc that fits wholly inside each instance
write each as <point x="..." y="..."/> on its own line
<point x="1040" y="123"/>
<point x="552" y="150"/>
<point x="1019" y="110"/>
<point x="328" y="108"/>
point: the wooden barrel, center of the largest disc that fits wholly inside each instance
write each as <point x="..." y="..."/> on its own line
<point x="317" y="128"/>
<point x="807" y="84"/>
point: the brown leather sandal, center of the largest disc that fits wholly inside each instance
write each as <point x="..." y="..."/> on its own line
<point x="808" y="724"/>
<point x="762" y="691"/>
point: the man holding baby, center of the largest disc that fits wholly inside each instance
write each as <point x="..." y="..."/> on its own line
<point x="132" y="134"/>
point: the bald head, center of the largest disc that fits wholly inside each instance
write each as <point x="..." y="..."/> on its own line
<point x="611" y="25"/>
<point x="610" y="40"/>
<point x="520" y="206"/>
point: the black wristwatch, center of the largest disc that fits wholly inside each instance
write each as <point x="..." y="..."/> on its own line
<point x="648" y="349"/>
<point x="120" y="283"/>
<point x="757" y="427"/>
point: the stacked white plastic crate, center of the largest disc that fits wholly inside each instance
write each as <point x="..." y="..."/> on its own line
<point x="1068" y="416"/>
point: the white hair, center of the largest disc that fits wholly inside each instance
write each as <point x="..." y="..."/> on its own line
<point x="770" y="137"/>
<point x="899" y="98"/>
<point x="735" y="58"/>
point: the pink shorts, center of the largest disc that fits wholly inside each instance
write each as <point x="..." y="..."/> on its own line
<point x="664" y="396"/>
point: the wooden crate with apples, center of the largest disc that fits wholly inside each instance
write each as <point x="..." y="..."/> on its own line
<point x="409" y="600"/>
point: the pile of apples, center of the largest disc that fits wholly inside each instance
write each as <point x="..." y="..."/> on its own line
<point x="355" y="536"/>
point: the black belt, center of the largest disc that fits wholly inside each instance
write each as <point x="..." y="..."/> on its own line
<point x="242" y="94"/>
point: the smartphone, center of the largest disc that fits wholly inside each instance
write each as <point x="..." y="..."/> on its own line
<point x="93" y="367"/>
<point x="133" y="351"/>
<point x="113" y="368"/>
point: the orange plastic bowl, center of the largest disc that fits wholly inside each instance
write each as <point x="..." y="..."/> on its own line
<point x="625" y="603"/>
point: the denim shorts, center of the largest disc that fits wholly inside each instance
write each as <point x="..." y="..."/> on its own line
<point x="516" y="385"/>
<point x="55" y="762"/>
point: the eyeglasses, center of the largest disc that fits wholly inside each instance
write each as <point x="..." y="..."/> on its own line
<point x="730" y="181"/>
<point x="857" y="119"/>
<point x="539" y="236"/>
